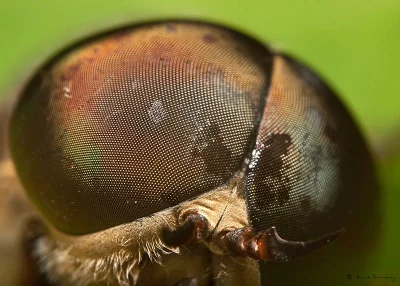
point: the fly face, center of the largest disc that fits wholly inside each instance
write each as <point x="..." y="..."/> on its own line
<point x="186" y="153"/>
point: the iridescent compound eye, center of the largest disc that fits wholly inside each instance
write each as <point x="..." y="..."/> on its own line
<point x="133" y="122"/>
<point x="167" y="132"/>
<point x="142" y="119"/>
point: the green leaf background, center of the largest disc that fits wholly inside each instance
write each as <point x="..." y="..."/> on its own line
<point x="354" y="44"/>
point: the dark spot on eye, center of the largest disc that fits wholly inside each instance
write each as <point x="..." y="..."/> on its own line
<point x="209" y="146"/>
<point x="209" y="39"/>
<point x="96" y="50"/>
<point x="68" y="75"/>
<point x="90" y="60"/>
<point x="270" y="179"/>
<point x="305" y="138"/>
<point x="170" y="28"/>
<point x="330" y="132"/>
<point x="74" y="68"/>
<point x="276" y="146"/>
<point x="65" y="77"/>
<point x="306" y="204"/>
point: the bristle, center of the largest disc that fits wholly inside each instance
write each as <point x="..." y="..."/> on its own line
<point x="122" y="266"/>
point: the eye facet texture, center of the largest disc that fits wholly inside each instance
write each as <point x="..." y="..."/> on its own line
<point x="328" y="181"/>
<point x="138" y="120"/>
<point x="310" y="164"/>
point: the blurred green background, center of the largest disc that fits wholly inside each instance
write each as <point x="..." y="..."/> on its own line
<point x="354" y="44"/>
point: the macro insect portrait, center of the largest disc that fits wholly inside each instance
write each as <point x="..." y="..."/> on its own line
<point x="184" y="152"/>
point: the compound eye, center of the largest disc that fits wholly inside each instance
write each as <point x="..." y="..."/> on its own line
<point x="138" y="120"/>
<point x="310" y="165"/>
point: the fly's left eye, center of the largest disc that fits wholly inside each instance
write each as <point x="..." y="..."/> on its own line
<point x="134" y="122"/>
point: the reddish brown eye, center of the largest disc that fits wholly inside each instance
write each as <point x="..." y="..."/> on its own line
<point x="138" y="120"/>
<point x="141" y="119"/>
<point x="238" y="145"/>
